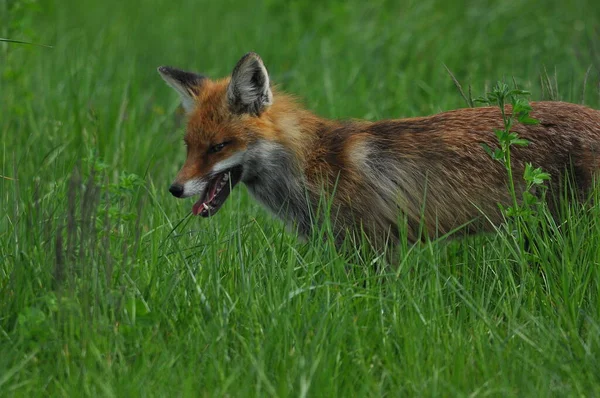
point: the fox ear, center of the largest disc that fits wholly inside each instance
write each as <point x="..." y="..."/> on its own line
<point x="187" y="85"/>
<point x="249" y="90"/>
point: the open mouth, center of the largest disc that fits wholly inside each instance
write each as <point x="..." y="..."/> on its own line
<point x="218" y="189"/>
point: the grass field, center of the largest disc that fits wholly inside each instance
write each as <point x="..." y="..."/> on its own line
<point x="108" y="288"/>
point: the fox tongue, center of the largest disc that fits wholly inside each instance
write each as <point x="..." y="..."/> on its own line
<point x="203" y="203"/>
<point x="198" y="207"/>
<point x="219" y="188"/>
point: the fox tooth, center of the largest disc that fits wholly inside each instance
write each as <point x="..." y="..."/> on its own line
<point x="205" y="206"/>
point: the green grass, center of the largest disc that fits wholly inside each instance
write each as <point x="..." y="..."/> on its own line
<point x="108" y="288"/>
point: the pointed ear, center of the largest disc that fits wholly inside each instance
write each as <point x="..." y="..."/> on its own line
<point x="249" y="90"/>
<point x="187" y="85"/>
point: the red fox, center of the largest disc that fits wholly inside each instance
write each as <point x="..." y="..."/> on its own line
<point x="429" y="172"/>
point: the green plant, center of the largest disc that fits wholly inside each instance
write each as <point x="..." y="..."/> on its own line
<point x="526" y="203"/>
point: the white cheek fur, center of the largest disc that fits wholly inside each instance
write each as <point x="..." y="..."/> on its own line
<point x="232" y="161"/>
<point x="193" y="187"/>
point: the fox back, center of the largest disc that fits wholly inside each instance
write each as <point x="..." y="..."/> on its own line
<point x="431" y="173"/>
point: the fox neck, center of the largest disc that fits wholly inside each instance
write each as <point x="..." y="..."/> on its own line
<point x="273" y="176"/>
<point x="275" y="169"/>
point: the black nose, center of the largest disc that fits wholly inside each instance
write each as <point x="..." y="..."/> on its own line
<point x="176" y="190"/>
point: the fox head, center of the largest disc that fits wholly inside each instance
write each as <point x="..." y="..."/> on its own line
<point x="226" y="130"/>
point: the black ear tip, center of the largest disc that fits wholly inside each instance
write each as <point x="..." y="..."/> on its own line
<point x="163" y="70"/>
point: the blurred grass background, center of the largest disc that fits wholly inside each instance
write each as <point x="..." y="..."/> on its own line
<point x="107" y="288"/>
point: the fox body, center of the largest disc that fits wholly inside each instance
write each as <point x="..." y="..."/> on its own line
<point x="429" y="172"/>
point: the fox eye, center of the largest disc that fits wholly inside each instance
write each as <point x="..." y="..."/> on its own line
<point x="218" y="147"/>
